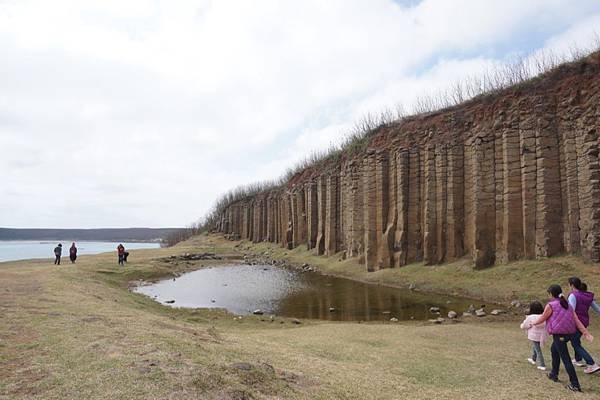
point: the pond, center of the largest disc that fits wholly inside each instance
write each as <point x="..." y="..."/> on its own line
<point x="287" y="292"/>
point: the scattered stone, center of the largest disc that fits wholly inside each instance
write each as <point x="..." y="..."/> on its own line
<point x="331" y="309"/>
<point x="258" y="312"/>
<point x="497" y="312"/>
<point x="471" y="309"/>
<point x="434" y="310"/>
<point x="242" y="366"/>
<point x="170" y="301"/>
<point x="437" y="320"/>
<point x="467" y="314"/>
<point x="480" y="312"/>
<point x="393" y="319"/>
<point x="452" y="314"/>
<point x="296" y="321"/>
<point x="212" y="300"/>
<point x="386" y="312"/>
<point x="515" y="304"/>
<point x="412" y="286"/>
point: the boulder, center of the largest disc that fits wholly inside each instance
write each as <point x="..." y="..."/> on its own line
<point x="258" y="312"/>
<point x="452" y="314"/>
<point x="480" y="312"/>
<point x="434" y="310"/>
<point x="497" y="312"/>
<point x="393" y="319"/>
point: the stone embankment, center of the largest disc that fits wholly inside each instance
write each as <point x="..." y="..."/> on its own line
<point x="512" y="175"/>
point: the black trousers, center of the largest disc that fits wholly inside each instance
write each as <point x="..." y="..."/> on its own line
<point x="561" y="352"/>
<point x="57" y="260"/>
<point x="121" y="258"/>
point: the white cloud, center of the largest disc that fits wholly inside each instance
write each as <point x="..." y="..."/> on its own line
<point x="120" y="113"/>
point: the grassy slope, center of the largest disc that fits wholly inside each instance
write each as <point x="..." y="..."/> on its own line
<point x="76" y="332"/>
<point x="522" y="280"/>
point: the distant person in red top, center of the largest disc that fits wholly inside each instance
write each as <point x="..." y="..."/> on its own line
<point x="121" y="253"/>
<point x="73" y="253"/>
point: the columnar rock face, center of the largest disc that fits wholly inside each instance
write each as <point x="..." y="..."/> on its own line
<point x="500" y="178"/>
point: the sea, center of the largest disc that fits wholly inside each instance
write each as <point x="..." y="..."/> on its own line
<point x="12" y="250"/>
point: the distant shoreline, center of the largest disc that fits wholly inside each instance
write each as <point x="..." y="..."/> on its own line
<point x="137" y="235"/>
<point x="84" y="240"/>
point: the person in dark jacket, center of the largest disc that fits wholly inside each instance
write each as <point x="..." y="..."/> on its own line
<point x="57" y="254"/>
<point x="581" y="300"/>
<point x="121" y="254"/>
<point x="73" y="253"/>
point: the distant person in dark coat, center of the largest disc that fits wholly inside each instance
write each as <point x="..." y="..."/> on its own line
<point x="121" y="254"/>
<point x="57" y="254"/>
<point x="73" y="253"/>
<point x="125" y="255"/>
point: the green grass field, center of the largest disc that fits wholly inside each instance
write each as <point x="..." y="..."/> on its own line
<point x="74" y="332"/>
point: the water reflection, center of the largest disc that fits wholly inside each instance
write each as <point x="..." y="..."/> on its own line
<point x="241" y="289"/>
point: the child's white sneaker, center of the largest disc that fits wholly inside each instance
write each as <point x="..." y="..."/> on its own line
<point x="541" y="368"/>
<point x="578" y="363"/>
<point x="592" y="368"/>
<point x="531" y="361"/>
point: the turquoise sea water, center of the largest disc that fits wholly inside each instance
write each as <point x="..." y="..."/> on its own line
<point x="12" y="250"/>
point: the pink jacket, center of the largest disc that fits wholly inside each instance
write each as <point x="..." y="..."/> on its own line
<point x="535" y="333"/>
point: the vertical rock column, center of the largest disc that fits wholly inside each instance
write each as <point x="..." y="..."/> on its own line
<point x="512" y="213"/>
<point x="401" y="234"/>
<point x="294" y="209"/>
<point x="441" y="195"/>
<point x="414" y="241"/>
<point x="312" y="216"/>
<point x="430" y="209"/>
<point x="300" y="227"/>
<point x="352" y="208"/>
<point x="456" y="219"/>
<point x="385" y="227"/>
<point x="332" y="207"/>
<point x="390" y="204"/>
<point x="528" y="177"/>
<point x="370" y="212"/>
<point x="549" y="227"/>
<point x="321" y="207"/>
<point x="569" y="176"/>
<point x="484" y="202"/>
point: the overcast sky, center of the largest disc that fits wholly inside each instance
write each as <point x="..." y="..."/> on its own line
<point x="129" y="113"/>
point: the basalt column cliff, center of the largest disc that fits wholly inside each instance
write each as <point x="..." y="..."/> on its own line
<point x="502" y="177"/>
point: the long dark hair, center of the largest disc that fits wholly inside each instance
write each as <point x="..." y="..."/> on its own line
<point x="575" y="282"/>
<point x="536" y="308"/>
<point x="556" y="292"/>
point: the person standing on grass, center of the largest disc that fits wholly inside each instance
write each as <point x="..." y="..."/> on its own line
<point x="73" y="253"/>
<point x="121" y="254"/>
<point x="561" y="323"/>
<point x="536" y="334"/>
<point x="581" y="300"/>
<point x="57" y="254"/>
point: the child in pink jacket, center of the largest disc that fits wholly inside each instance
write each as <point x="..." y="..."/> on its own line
<point x="536" y="334"/>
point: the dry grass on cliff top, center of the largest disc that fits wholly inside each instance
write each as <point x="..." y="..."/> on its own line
<point x="74" y="332"/>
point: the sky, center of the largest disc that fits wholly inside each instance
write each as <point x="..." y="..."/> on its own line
<point x="130" y="113"/>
